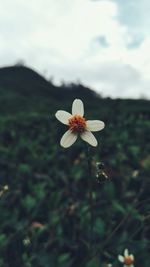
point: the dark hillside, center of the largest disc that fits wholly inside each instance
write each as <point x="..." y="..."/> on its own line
<point x="16" y="78"/>
<point x="22" y="89"/>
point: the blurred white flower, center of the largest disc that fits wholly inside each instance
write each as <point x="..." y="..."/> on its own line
<point x="26" y="241"/>
<point x="78" y="125"/>
<point x="127" y="259"/>
<point x="135" y="173"/>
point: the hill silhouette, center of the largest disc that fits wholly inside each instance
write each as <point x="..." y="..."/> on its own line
<point x="25" y="86"/>
<point x="24" y="90"/>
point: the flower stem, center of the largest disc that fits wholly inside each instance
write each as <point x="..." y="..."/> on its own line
<point x="91" y="202"/>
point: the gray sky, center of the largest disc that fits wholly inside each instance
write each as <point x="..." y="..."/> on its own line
<point x="102" y="43"/>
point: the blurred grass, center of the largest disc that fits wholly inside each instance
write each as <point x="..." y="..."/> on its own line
<point x="45" y="213"/>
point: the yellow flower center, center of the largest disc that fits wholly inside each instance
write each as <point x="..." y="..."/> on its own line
<point x="128" y="260"/>
<point x="77" y="124"/>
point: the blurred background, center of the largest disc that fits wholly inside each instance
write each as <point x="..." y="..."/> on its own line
<point x="52" y="52"/>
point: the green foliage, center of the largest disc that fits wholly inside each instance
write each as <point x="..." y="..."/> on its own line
<point x="93" y="263"/>
<point x="45" y="213"/>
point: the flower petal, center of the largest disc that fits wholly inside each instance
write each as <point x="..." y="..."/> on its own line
<point x="89" y="138"/>
<point x="126" y="252"/>
<point x="68" y="139"/>
<point x="63" y="116"/>
<point x="77" y="107"/>
<point x="120" y="258"/>
<point x="132" y="257"/>
<point x="95" y="125"/>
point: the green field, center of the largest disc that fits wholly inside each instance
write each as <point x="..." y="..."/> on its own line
<point x="44" y="197"/>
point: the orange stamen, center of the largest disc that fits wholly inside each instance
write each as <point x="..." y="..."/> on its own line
<point x="128" y="260"/>
<point x="77" y="124"/>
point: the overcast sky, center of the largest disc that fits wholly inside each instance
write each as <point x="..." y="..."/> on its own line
<point x="105" y="44"/>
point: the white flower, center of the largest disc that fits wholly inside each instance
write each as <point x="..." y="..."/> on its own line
<point x="127" y="259"/>
<point x="78" y="125"/>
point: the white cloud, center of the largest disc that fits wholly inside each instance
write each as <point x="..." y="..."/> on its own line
<point x="62" y="37"/>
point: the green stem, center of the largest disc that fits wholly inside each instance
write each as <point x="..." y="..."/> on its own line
<point x="91" y="202"/>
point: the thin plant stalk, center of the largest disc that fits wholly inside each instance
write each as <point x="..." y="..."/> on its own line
<point x="91" y="201"/>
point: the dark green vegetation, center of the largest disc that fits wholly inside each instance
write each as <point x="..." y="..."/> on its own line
<point x="45" y="214"/>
